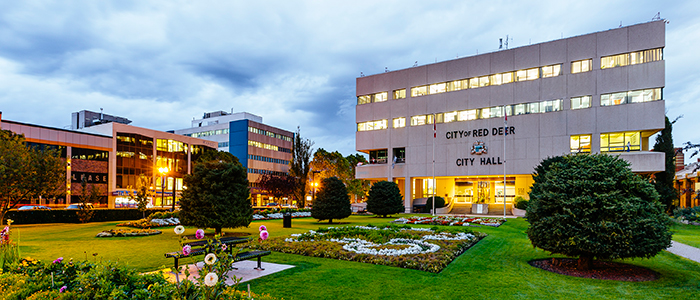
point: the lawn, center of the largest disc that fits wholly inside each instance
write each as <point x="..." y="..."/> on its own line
<point x="496" y="267"/>
<point x="686" y="234"/>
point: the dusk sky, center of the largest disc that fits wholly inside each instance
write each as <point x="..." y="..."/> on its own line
<point x="162" y="63"/>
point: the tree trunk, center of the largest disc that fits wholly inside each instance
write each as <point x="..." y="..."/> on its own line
<point x="330" y="221"/>
<point x="585" y="263"/>
<point x="217" y="230"/>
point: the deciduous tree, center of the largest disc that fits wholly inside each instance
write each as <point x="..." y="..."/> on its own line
<point x="300" y="166"/>
<point x="278" y="186"/>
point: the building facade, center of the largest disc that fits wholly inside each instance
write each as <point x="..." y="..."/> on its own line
<point x="261" y="148"/>
<point x="600" y="92"/>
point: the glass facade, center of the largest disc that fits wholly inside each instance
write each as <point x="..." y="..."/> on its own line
<point x="134" y="157"/>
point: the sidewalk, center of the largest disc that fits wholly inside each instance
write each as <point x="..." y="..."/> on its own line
<point x="684" y="250"/>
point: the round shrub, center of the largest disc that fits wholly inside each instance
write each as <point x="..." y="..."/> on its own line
<point x="521" y="203"/>
<point x="439" y="203"/>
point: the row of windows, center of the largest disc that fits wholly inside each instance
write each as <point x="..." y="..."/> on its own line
<point x="269" y="172"/>
<point x="208" y="133"/>
<point x="270" y="134"/>
<point x="467" y="115"/>
<point x="637" y="96"/>
<point x="223" y="144"/>
<point x="89" y="154"/>
<point x="609" y="142"/>
<point x="170" y="146"/>
<point x="578" y="66"/>
<point x="268" y="146"/>
<point x="632" y="58"/>
<point x="269" y="159"/>
<point x="468" y="83"/>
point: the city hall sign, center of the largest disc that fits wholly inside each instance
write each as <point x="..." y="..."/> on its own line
<point x="479" y="147"/>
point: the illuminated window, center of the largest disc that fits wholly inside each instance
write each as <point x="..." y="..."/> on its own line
<point x="454" y="85"/>
<point x="381" y="97"/>
<point x="364" y="99"/>
<point x="551" y="71"/>
<point x="437" y="88"/>
<point x="496" y="79"/>
<point x="450" y="117"/>
<point x="483" y="81"/>
<point x="581" y="66"/>
<point x="646" y="56"/>
<point x="372" y="125"/>
<point x="421" y="120"/>
<point x="613" y="61"/>
<point x="620" y="141"/>
<point x="580" y="143"/>
<point x="473" y="83"/>
<point x="580" y="102"/>
<point x="485" y="113"/>
<point x="529" y="74"/>
<point x="520" y="109"/>
<point x="400" y="94"/>
<point x="467" y="115"/>
<point x="399" y="122"/>
<point x="419" y="91"/>
<point x="507" y="77"/>
<point x="637" y="96"/>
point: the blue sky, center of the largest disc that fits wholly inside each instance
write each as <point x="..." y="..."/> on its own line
<point x="161" y="63"/>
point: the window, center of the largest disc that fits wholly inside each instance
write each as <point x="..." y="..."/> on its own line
<point x="496" y="79"/>
<point x="378" y="156"/>
<point x="473" y="83"/>
<point x="381" y="97"/>
<point x="483" y="81"/>
<point x="399" y="155"/>
<point x="580" y="102"/>
<point x="437" y="88"/>
<point x="372" y="125"/>
<point x="467" y="115"/>
<point x="581" y="66"/>
<point x="454" y="85"/>
<point x="419" y="91"/>
<point x="520" y="109"/>
<point x="421" y="120"/>
<point x="637" y="96"/>
<point x="645" y="56"/>
<point x="551" y="71"/>
<point x="400" y="94"/>
<point x="529" y="74"/>
<point x="364" y="99"/>
<point x="450" y="117"/>
<point x="580" y="143"/>
<point x="614" y="61"/>
<point x="399" y="122"/>
<point x="620" y="141"/>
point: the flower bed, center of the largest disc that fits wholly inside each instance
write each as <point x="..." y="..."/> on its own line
<point x="451" y="221"/>
<point x="279" y="215"/>
<point x="149" y="223"/>
<point x="422" y="249"/>
<point x="127" y="232"/>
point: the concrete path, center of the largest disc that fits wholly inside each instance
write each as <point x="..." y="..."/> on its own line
<point x="684" y="250"/>
<point x="245" y="271"/>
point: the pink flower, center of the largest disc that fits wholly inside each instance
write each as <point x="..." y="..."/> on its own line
<point x="186" y="250"/>
<point x="63" y="289"/>
<point x="263" y="235"/>
<point x="262" y="227"/>
<point x="224" y="247"/>
<point x="200" y="234"/>
<point x="58" y="260"/>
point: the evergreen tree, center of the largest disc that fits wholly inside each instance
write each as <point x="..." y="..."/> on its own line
<point x="217" y="196"/>
<point x="332" y="201"/>
<point x="385" y="199"/>
<point x="664" y="180"/>
<point x="593" y="206"/>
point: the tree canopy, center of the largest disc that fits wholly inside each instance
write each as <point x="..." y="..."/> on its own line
<point x="300" y="166"/>
<point x="593" y="206"/>
<point x="385" y="199"/>
<point x="27" y="173"/>
<point x="663" y="181"/>
<point x="217" y="196"/>
<point x="278" y="186"/>
<point x="332" y="201"/>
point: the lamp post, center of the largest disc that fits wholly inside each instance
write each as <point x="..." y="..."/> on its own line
<point x="163" y="171"/>
<point x="314" y="184"/>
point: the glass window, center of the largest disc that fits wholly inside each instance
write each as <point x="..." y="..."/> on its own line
<point x="421" y="120"/>
<point x="454" y="85"/>
<point x="533" y="73"/>
<point x="533" y="108"/>
<point x="620" y="141"/>
<point x="551" y="71"/>
<point x="496" y="112"/>
<point x="496" y="79"/>
<point x="364" y="99"/>
<point x="581" y="66"/>
<point x="520" y="75"/>
<point x="399" y="122"/>
<point x="400" y="94"/>
<point x="483" y="81"/>
<point x="370" y="125"/>
<point x="507" y="77"/>
<point x="652" y="94"/>
<point x="437" y="88"/>
<point x="580" y="143"/>
<point x="520" y="109"/>
<point x="381" y="97"/>
<point x="450" y="117"/>
<point x="419" y="91"/>
<point x="473" y="82"/>
<point x="485" y="113"/>
<point x="581" y="102"/>
<point x="635" y="96"/>
<point x="614" y="61"/>
<point x="467" y="115"/>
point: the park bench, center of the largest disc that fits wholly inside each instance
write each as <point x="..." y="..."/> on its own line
<point x="201" y="248"/>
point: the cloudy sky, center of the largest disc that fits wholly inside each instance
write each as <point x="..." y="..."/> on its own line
<point x="161" y="63"/>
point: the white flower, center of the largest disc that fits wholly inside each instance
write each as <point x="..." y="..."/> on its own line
<point x="210" y="259"/>
<point x="211" y="279"/>
<point x="179" y="229"/>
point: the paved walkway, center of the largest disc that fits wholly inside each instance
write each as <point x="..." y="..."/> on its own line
<point x="684" y="250"/>
<point x="245" y="271"/>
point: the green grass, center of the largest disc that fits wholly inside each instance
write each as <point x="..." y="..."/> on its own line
<point x="686" y="234"/>
<point x="496" y="267"/>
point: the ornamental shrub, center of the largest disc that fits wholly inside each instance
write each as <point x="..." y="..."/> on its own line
<point x="439" y="203"/>
<point x="332" y="201"/>
<point x="520" y="203"/>
<point x="691" y="214"/>
<point x="594" y="207"/>
<point x="385" y="199"/>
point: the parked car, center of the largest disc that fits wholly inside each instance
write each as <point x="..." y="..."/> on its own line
<point x="288" y="206"/>
<point x="80" y="206"/>
<point x="34" y="207"/>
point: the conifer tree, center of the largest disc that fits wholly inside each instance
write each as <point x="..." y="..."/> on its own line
<point x="332" y="201"/>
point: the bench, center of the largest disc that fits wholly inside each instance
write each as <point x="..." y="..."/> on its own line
<point x="201" y="248"/>
<point x="250" y="255"/>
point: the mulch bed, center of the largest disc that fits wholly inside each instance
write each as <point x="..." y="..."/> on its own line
<point x="606" y="270"/>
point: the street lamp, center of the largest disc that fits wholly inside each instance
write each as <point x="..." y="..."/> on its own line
<point x="163" y="171"/>
<point x="314" y="184"/>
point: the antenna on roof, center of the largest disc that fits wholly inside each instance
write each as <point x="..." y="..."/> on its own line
<point x="386" y="69"/>
<point x="415" y="64"/>
<point x="656" y="17"/>
<point x="500" y="43"/>
<point x="620" y="24"/>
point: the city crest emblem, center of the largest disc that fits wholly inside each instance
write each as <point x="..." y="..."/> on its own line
<point x="479" y="147"/>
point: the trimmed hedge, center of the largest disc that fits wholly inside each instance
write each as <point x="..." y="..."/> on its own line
<point x="71" y="215"/>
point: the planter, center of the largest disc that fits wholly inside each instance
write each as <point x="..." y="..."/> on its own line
<point x="519" y="212"/>
<point x="480" y="209"/>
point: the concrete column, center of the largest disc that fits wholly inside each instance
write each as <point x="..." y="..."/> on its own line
<point x="408" y="199"/>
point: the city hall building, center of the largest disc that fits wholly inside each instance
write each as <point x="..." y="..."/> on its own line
<point x="600" y="93"/>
